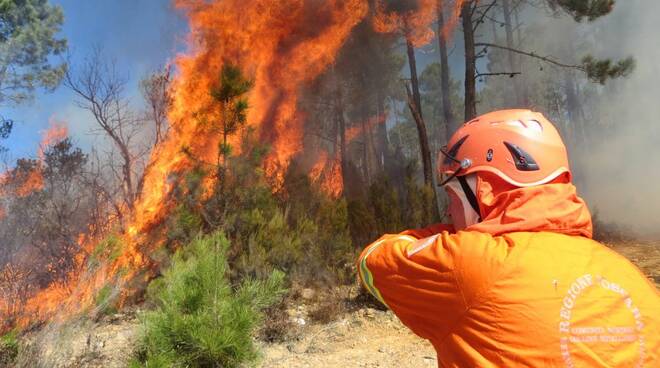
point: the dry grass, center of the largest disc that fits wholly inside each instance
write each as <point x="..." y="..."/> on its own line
<point x="645" y="255"/>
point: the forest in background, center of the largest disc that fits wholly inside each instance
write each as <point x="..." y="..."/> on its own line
<point x="374" y="121"/>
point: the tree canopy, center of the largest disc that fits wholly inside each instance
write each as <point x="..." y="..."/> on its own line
<point x="28" y="40"/>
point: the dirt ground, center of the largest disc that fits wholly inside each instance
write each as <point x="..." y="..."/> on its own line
<point x="365" y="337"/>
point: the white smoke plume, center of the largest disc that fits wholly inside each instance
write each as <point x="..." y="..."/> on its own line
<point x="622" y="169"/>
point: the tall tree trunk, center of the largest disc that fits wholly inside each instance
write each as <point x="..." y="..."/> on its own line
<point x="412" y="62"/>
<point x="366" y="162"/>
<point x="415" y="105"/>
<point x="470" y="62"/>
<point x="444" y="77"/>
<point x="506" y="9"/>
<point x="574" y="108"/>
<point x="341" y="123"/>
<point x="423" y="139"/>
<point x="382" y="141"/>
<point x="523" y="92"/>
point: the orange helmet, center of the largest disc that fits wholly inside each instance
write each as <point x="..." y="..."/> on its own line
<point x="520" y="146"/>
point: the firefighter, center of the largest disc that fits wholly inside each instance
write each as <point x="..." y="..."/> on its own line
<point x="517" y="281"/>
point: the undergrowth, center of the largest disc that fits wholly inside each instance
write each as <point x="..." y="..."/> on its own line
<point x="200" y="319"/>
<point x="9" y="348"/>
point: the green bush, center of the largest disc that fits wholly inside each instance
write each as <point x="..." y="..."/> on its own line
<point x="384" y="201"/>
<point x="107" y="250"/>
<point x="9" y="347"/>
<point x="267" y="242"/>
<point x="105" y="300"/>
<point x="199" y="319"/>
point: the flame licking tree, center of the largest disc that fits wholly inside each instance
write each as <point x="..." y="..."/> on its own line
<point x="281" y="45"/>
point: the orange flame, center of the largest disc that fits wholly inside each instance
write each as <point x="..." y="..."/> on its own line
<point x="451" y="21"/>
<point x="327" y="173"/>
<point x="21" y="182"/>
<point x="281" y="45"/>
<point x="414" y="23"/>
<point x="31" y="182"/>
<point x="25" y="181"/>
<point x="56" y="133"/>
<point x="415" y="18"/>
<point x="357" y="130"/>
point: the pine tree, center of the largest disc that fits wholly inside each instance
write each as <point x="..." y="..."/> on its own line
<point x="28" y="39"/>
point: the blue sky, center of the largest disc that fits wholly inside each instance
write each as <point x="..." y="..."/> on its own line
<point x="141" y="35"/>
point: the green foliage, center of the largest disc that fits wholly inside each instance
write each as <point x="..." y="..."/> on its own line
<point x="431" y="90"/>
<point x="48" y="204"/>
<point x="200" y="320"/>
<point x="267" y="242"/>
<point x="384" y="201"/>
<point x="185" y="224"/>
<point x="321" y="223"/>
<point x="105" y="300"/>
<point x="232" y="84"/>
<point x="28" y="30"/>
<point x="602" y="70"/>
<point x="229" y="93"/>
<point x="421" y="208"/>
<point x="9" y="348"/>
<point x="362" y="222"/>
<point x="579" y="9"/>
<point x="299" y="230"/>
<point x="107" y="250"/>
<point x="390" y="207"/>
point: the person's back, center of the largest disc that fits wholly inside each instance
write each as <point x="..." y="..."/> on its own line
<point x="525" y="285"/>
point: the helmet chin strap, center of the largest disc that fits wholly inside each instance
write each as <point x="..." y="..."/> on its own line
<point x="467" y="190"/>
<point x="469" y="194"/>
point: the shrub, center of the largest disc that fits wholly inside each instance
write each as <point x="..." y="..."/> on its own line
<point x="105" y="300"/>
<point x="278" y="325"/>
<point x="384" y="201"/>
<point x="106" y="251"/>
<point x="199" y="319"/>
<point x="9" y="347"/>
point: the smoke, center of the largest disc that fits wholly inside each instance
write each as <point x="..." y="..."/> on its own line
<point x="621" y="171"/>
<point x="611" y="130"/>
<point x="400" y="6"/>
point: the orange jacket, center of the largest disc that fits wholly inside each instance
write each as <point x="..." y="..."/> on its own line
<point x="525" y="287"/>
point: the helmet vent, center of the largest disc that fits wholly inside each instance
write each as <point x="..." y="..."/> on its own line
<point x="523" y="160"/>
<point x="515" y="123"/>
<point x="535" y="125"/>
<point x="453" y="151"/>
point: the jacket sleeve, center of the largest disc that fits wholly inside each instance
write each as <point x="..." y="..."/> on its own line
<point x="421" y="280"/>
<point x="429" y="230"/>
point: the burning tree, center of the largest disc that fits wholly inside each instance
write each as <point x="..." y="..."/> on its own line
<point x="233" y="106"/>
<point x="101" y="91"/>
<point x="156" y="92"/>
<point x="258" y="173"/>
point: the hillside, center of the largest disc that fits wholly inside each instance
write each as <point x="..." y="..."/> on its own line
<point x="360" y="337"/>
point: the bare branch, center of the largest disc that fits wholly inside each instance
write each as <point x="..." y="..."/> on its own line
<point x="509" y="74"/>
<point x="483" y="14"/>
<point x="532" y="54"/>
